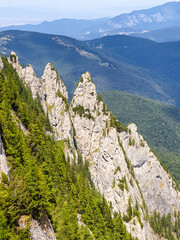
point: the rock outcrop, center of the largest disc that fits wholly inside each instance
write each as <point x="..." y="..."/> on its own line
<point x="53" y="97"/>
<point x="30" y="78"/>
<point x="39" y="230"/>
<point x="14" y="60"/>
<point x="122" y="166"/>
<point x="3" y="161"/>
<point x="99" y="144"/>
<point x="156" y="184"/>
<point x="42" y="229"/>
<point x="1" y="64"/>
<point x="120" y="170"/>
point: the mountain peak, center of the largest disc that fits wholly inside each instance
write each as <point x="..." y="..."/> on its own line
<point x="85" y="94"/>
<point x="50" y="69"/>
<point x="14" y="60"/>
<point x="86" y="77"/>
<point x="52" y="81"/>
<point x="13" y="53"/>
<point x="123" y="168"/>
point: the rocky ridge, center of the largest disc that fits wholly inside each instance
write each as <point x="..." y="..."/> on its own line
<point x="99" y="144"/>
<point x="42" y="229"/>
<point x="99" y="131"/>
<point x="53" y="96"/>
<point x="122" y="166"/>
<point x="4" y="168"/>
<point x="1" y="64"/>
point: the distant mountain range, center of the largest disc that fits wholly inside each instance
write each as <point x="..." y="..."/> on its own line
<point x="166" y="15"/>
<point x="169" y="34"/>
<point x="134" y="65"/>
<point x="137" y="22"/>
<point x="69" y="27"/>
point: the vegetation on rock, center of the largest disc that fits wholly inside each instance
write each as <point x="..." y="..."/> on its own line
<point x="41" y="178"/>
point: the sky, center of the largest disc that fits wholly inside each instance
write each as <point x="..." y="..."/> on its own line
<point x="15" y="12"/>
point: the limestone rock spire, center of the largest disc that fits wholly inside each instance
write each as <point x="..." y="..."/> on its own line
<point x="1" y="64"/>
<point x="3" y="161"/>
<point x="121" y="162"/>
<point x="14" y="60"/>
<point x="55" y="102"/>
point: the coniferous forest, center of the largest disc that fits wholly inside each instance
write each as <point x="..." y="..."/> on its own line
<point x="41" y="178"/>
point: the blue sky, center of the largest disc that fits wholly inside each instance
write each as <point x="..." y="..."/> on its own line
<point x="34" y="11"/>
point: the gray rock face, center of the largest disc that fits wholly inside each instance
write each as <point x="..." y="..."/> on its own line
<point x="14" y="60"/>
<point x="1" y="64"/>
<point x="41" y="230"/>
<point x="30" y="78"/>
<point x="122" y="166"/>
<point x="155" y="183"/>
<point x="54" y="99"/>
<point x="99" y="144"/>
<point x="53" y="96"/>
<point x="26" y="74"/>
<point x="19" y="123"/>
<point x="115" y="166"/>
<point x="3" y="161"/>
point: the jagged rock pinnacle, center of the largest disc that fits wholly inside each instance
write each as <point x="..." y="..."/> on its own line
<point x="122" y="166"/>
<point x="31" y="80"/>
<point x="1" y="64"/>
<point x="14" y="60"/>
<point x="52" y="80"/>
<point x="3" y="161"/>
<point x="85" y="94"/>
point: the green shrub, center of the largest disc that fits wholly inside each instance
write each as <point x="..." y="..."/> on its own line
<point x="4" y="178"/>
<point x="117" y="169"/>
<point x="13" y="58"/>
<point x="99" y="97"/>
<point x="116" y="124"/>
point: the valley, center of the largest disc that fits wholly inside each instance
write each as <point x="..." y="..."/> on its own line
<point x="116" y="62"/>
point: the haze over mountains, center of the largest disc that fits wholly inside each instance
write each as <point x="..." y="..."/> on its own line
<point x="68" y="27"/>
<point x="136" y="22"/>
<point x="130" y="64"/>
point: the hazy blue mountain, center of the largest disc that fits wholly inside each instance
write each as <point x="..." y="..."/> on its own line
<point x="115" y="62"/>
<point x="170" y="34"/>
<point x="68" y="27"/>
<point x="166" y="15"/>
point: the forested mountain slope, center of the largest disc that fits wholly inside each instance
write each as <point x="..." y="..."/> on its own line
<point x="55" y="175"/>
<point x="159" y="60"/>
<point x="168" y="34"/>
<point x="41" y="180"/>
